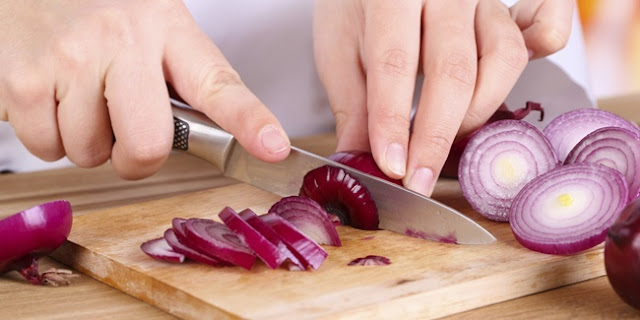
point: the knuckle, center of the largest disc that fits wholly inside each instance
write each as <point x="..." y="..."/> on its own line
<point x="457" y="67"/>
<point x="89" y="159"/>
<point x="437" y="140"/>
<point x="395" y="62"/>
<point x="215" y="79"/>
<point x="553" y="40"/>
<point x="28" y="87"/>
<point x="512" y="52"/>
<point x="70" y="53"/>
<point x="393" y="122"/>
<point x="148" y="149"/>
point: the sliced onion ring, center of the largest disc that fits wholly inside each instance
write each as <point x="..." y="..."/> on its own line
<point x="614" y="147"/>
<point x="498" y="161"/>
<point x="309" y="217"/>
<point x="566" y="130"/>
<point x="568" y="209"/>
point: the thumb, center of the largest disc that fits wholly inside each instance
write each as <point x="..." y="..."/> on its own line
<point x="204" y="78"/>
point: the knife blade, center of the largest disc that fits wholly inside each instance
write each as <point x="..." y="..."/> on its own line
<point x="400" y="210"/>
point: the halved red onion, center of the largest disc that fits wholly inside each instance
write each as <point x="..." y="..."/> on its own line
<point x="179" y="247"/>
<point x="32" y="234"/>
<point x="159" y="249"/>
<point x="309" y="217"/>
<point x="363" y="161"/>
<point x="498" y="161"/>
<point x="216" y="239"/>
<point x="614" y="147"/>
<point x="268" y="232"/>
<point x="341" y="194"/>
<point x="305" y="249"/>
<point x="370" y="260"/>
<point x="568" y="209"/>
<point x="566" y="130"/>
<point x="263" y="248"/>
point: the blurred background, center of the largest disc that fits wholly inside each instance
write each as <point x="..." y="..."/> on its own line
<point x="612" y="38"/>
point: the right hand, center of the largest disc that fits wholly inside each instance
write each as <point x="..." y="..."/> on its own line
<point x="87" y="79"/>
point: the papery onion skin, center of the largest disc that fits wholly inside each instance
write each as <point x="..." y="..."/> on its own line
<point x="615" y="147"/>
<point x="622" y="254"/>
<point x="32" y="234"/>
<point x="341" y="194"/>
<point x="594" y="192"/>
<point x="308" y="216"/>
<point x="566" y="130"/>
<point x="363" y="161"/>
<point x="499" y="160"/>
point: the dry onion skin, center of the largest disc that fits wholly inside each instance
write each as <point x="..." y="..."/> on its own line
<point x="498" y="161"/>
<point x="566" y="130"/>
<point x="568" y="209"/>
<point x="614" y="147"/>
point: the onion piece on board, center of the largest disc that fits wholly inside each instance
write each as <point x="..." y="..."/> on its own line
<point x="216" y="239"/>
<point x="567" y="129"/>
<point x="568" y="209"/>
<point x="268" y="232"/>
<point x="370" y="260"/>
<point x="160" y="249"/>
<point x="32" y="234"/>
<point x="263" y="248"/>
<point x="309" y="217"/>
<point x="614" y="147"/>
<point x="498" y="161"/>
<point x="305" y="249"/>
<point x="179" y="247"/>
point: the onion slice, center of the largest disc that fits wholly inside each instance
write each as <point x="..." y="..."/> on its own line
<point x="305" y="249"/>
<point x="32" y="234"/>
<point x="179" y="247"/>
<point x="263" y="248"/>
<point x="566" y="130"/>
<point x="498" y="161"/>
<point x="160" y="249"/>
<point x="614" y="147"/>
<point x="216" y="239"/>
<point x="370" y="260"/>
<point x="268" y="232"/>
<point x="568" y="209"/>
<point x="309" y="217"/>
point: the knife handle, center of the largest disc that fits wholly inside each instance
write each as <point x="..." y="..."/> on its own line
<point x="196" y="134"/>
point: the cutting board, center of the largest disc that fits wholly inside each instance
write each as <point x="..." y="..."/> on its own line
<point x="425" y="280"/>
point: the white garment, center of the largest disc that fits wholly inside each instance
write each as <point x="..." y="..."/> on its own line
<point x="270" y="44"/>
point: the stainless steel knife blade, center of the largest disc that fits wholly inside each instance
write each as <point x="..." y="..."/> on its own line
<point x="400" y="210"/>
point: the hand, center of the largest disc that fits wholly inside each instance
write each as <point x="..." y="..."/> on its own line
<point x="77" y="74"/>
<point x="368" y="53"/>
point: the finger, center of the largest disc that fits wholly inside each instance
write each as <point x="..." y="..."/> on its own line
<point x="392" y="46"/>
<point x="340" y="70"/>
<point x="204" y="78"/>
<point x="502" y="58"/>
<point x="141" y="119"/>
<point x="83" y="117"/>
<point x="545" y="24"/>
<point x="449" y="63"/>
<point x="28" y="96"/>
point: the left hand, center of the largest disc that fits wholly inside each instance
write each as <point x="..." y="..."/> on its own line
<point x="368" y="54"/>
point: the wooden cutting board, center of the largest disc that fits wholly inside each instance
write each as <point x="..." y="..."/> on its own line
<point x="425" y="280"/>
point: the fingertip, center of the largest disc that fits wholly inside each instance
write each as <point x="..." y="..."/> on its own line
<point x="421" y="180"/>
<point x="394" y="164"/>
<point x="274" y="143"/>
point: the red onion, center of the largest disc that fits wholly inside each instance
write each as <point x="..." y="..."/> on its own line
<point x="32" y="234"/>
<point x="450" y="168"/>
<point x="309" y="217"/>
<point x="566" y="130"/>
<point x="614" y="147"/>
<point x="498" y="161"/>
<point x="160" y="249"/>
<point x="263" y="248"/>
<point x="568" y="209"/>
<point x="174" y="242"/>
<point x="216" y="239"/>
<point x="622" y="254"/>
<point x="370" y="260"/>
<point x="363" y="161"/>
<point x="341" y="194"/>
<point x="305" y="249"/>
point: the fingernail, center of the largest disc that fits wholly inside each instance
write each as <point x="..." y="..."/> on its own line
<point x="531" y="53"/>
<point x="273" y="139"/>
<point x="396" y="159"/>
<point x="421" y="181"/>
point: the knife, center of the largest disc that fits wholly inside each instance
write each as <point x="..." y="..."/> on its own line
<point x="400" y="210"/>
